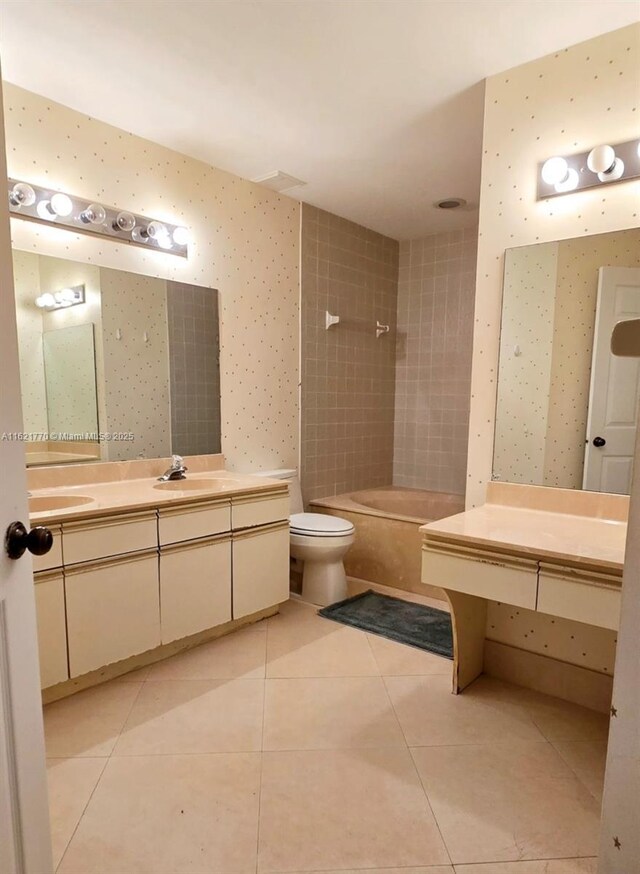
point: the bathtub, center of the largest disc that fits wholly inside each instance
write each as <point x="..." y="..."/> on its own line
<point x="387" y="548"/>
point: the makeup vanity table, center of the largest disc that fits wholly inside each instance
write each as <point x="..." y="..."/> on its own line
<point x="553" y="551"/>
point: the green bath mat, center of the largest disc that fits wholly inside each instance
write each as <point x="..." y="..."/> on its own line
<point x="403" y="621"/>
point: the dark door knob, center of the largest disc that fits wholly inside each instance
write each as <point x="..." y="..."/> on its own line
<point x="17" y="540"/>
<point x="599" y="442"/>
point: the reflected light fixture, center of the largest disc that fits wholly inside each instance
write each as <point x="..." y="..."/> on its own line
<point x="35" y="203"/>
<point x="58" y="300"/>
<point x="600" y="166"/>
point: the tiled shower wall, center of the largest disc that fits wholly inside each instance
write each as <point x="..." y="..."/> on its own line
<point x="433" y="360"/>
<point x="194" y="356"/>
<point x="348" y="376"/>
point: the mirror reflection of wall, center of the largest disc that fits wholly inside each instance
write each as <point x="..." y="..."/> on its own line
<point x="154" y="372"/>
<point x="545" y="377"/>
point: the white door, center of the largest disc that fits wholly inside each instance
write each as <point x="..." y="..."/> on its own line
<point x="615" y="387"/>
<point x="25" y="844"/>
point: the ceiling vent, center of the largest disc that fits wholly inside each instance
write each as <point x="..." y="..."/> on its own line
<point x="279" y="181"/>
<point x="450" y="203"/>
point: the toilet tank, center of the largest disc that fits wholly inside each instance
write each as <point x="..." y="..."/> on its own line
<point x="291" y="476"/>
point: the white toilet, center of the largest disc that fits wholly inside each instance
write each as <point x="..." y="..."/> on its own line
<point x="318" y="540"/>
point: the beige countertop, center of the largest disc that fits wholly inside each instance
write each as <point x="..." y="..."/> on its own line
<point x="554" y="536"/>
<point x="140" y="494"/>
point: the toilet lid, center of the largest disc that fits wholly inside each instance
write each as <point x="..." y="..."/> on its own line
<point x="319" y="524"/>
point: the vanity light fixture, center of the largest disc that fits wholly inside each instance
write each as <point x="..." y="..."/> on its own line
<point x="38" y="204"/>
<point x="599" y="166"/>
<point x="66" y="297"/>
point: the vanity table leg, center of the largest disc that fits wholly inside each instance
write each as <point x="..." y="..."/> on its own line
<point x="469" y="622"/>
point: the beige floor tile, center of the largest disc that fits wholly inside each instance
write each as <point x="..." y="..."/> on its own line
<point x="315" y="647"/>
<point x="430" y="715"/>
<point x="337" y="809"/>
<point x="170" y="814"/>
<point x="398" y="660"/>
<point x="437" y="869"/>
<point x="137" y="676"/>
<point x="239" y="654"/>
<point x="587" y="760"/>
<point x="507" y="802"/>
<point x="329" y="713"/>
<point x="357" y="586"/>
<point x="88" y="723"/>
<point x="562" y="720"/>
<point x="71" y="782"/>
<point x="556" y="866"/>
<point x="194" y="716"/>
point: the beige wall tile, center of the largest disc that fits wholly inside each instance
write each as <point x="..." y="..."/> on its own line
<point x="348" y="376"/>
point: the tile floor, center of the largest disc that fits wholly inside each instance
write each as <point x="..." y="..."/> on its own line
<point x="302" y="745"/>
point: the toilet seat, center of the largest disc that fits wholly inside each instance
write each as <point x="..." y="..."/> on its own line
<point x="319" y="525"/>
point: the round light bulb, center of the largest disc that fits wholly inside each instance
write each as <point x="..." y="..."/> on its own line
<point x="140" y="235"/>
<point x="601" y="159"/>
<point x="62" y="205"/>
<point x="554" y="170"/>
<point x="570" y="183"/>
<point x="181" y="236"/>
<point x="614" y="172"/>
<point x="156" y="230"/>
<point x="48" y="300"/>
<point x="22" y="195"/>
<point x="44" y="210"/>
<point x="164" y="242"/>
<point x="68" y="294"/>
<point x="94" y="214"/>
<point x="125" y="221"/>
<point x="40" y="301"/>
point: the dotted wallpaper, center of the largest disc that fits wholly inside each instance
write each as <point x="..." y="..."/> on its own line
<point x="526" y="344"/>
<point x="566" y="102"/>
<point x="245" y="243"/>
<point x="136" y="364"/>
<point x="26" y="279"/>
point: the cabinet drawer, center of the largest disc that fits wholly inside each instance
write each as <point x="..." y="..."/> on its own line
<point x="54" y="557"/>
<point x="251" y="511"/>
<point x="113" y="535"/>
<point x="195" y="587"/>
<point x="52" y="628"/>
<point x="481" y="573"/>
<point x="591" y="598"/>
<point x="260" y="569"/>
<point x="195" y="521"/>
<point x="113" y="610"/>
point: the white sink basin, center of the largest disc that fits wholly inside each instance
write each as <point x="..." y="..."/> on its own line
<point x="47" y="503"/>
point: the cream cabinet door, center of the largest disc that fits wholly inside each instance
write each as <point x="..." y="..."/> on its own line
<point x="113" y="610"/>
<point x="260" y="568"/>
<point x="52" y="628"/>
<point x="592" y="598"/>
<point x="480" y="572"/>
<point x="195" y="587"/>
<point x="249" y="511"/>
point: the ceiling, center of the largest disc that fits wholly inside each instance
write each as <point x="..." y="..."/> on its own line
<point x="376" y="104"/>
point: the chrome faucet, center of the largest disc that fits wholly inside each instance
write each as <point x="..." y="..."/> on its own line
<point x="176" y="471"/>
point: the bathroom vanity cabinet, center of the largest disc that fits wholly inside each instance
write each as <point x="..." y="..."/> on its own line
<point x="553" y="561"/>
<point x="120" y="585"/>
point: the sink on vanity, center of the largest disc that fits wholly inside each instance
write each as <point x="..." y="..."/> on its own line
<point x="141" y="569"/>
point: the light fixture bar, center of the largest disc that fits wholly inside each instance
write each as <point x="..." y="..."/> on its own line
<point x="47" y="206"/>
<point x="61" y="300"/>
<point x="564" y="174"/>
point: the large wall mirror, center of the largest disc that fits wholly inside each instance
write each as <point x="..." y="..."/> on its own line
<point x="130" y="371"/>
<point x="567" y="409"/>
